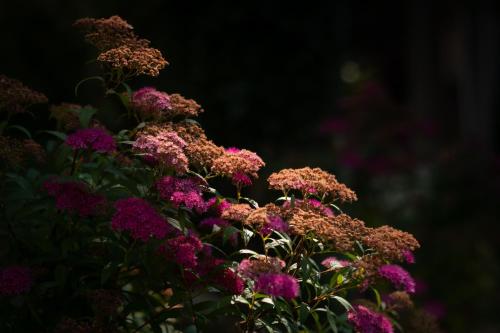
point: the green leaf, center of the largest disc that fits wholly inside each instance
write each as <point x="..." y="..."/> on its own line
<point x="377" y="296"/>
<point x="247" y="251"/>
<point x="59" y="135"/>
<point x="99" y="78"/>
<point x="344" y="303"/>
<point x="267" y="300"/>
<point x="330" y="316"/>
<point x="22" y="129"/>
<point x="85" y="115"/>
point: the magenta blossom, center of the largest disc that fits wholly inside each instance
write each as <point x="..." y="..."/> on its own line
<point x="210" y="222"/>
<point x="15" y="280"/>
<point x="182" y="191"/>
<point x="75" y="197"/>
<point x="279" y="284"/>
<point x="149" y="102"/>
<point x="138" y="217"/>
<point x="398" y="276"/>
<point x="365" y="320"/>
<point x="217" y="206"/>
<point x="241" y="179"/>
<point x="274" y="223"/>
<point x="92" y="138"/>
<point x="409" y="257"/>
<point x="183" y="250"/>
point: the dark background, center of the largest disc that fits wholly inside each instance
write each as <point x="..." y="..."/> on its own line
<point x="271" y="75"/>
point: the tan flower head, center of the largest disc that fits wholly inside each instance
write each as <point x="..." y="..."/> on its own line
<point x="15" y="97"/>
<point x="109" y="33"/>
<point x="311" y="181"/>
<point x="237" y="212"/>
<point x="390" y="243"/>
<point x="134" y="61"/>
<point x="236" y="161"/>
<point x="180" y="106"/>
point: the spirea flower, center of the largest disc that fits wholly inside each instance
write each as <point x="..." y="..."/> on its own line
<point x="15" y="280"/>
<point x="134" y="61"/>
<point x="398" y="276"/>
<point x="409" y="257"/>
<point x="182" y="191"/>
<point x="165" y="148"/>
<point x="274" y="223"/>
<point x="92" y="138"/>
<point x="181" y="106"/>
<point x="210" y="222"/>
<point x="390" y="243"/>
<point x="253" y="268"/>
<point x="237" y="212"/>
<point x="238" y="163"/>
<point x="280" y="284"/>
<point x="217" y="206"/>
<point x="229" y="280"/>
<point x="138" y="217"/>
<point x="15" y="97"/>
<point x="365" y="320"/>
<point x="398" y="300"/>
<point x="332" y="262"/>
<point x="311" y="180"/>
<point x="182" y="250"/>
<point x="75" y="197"/>
<point x="150" y="103"/>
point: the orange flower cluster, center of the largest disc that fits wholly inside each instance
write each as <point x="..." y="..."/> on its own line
<point x="145" y="60"/>
<point x="311" y="181"/>
<point x="14" y="152"/>
<point x="120" y="48"/>
<point x="237" y="212"/>
<point x="389" y="243"/>
<point x="180" y="106"/>
<point x="240" y="162"/>
<point x="15" y="97"/>
<point x="66" y="115"/>
<point x="399" y="300"/>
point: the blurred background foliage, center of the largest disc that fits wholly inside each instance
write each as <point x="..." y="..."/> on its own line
<point x="398" y="99"/>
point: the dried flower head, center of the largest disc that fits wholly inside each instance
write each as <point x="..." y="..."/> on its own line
<point x="34" y="150"/>
<point x="311" y="181"/>
<point x="237" y="212"/>
<point x="398" y="300"/>
<point x="75" y="197"/>
<point x="66" y="115"/>
<point x="15" y="97"/>
<point x="165" y="148"/>
<point x="134" y="61"/>
<point x="109" y="33"/>
<point x="180" y="106"/>
<point x="252" y="268"/>
<point x="389" y="243"/>
<point x="202" y="153"/>
<point x="260" y="217"/>
<point x="235" y="163"/>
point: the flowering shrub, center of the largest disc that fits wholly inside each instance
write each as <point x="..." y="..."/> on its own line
<point x="123" y="232"/>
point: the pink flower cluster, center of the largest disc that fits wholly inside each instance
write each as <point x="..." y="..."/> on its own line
<point x="15" y="280"/>
<point x="149" y="102"/>
<point x="365" y="320"/>
<point x="253" y="268"/>
<point x="332" y="262"/>
<point x="182" y="191"/>
<point x="182" y="250"/>
<point x="212" y="270"/>
<point x="274" y="223"/>
<point x="165" y="148"/>
<point x="278" y="284"/>
<point x="210" y="222"/>
<point x="138" y="217"/>
<point x="75" y="197"/>
<point x="409" y="257"/>
<point x="398" y="276"/>
<point x="92" y="138"/>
